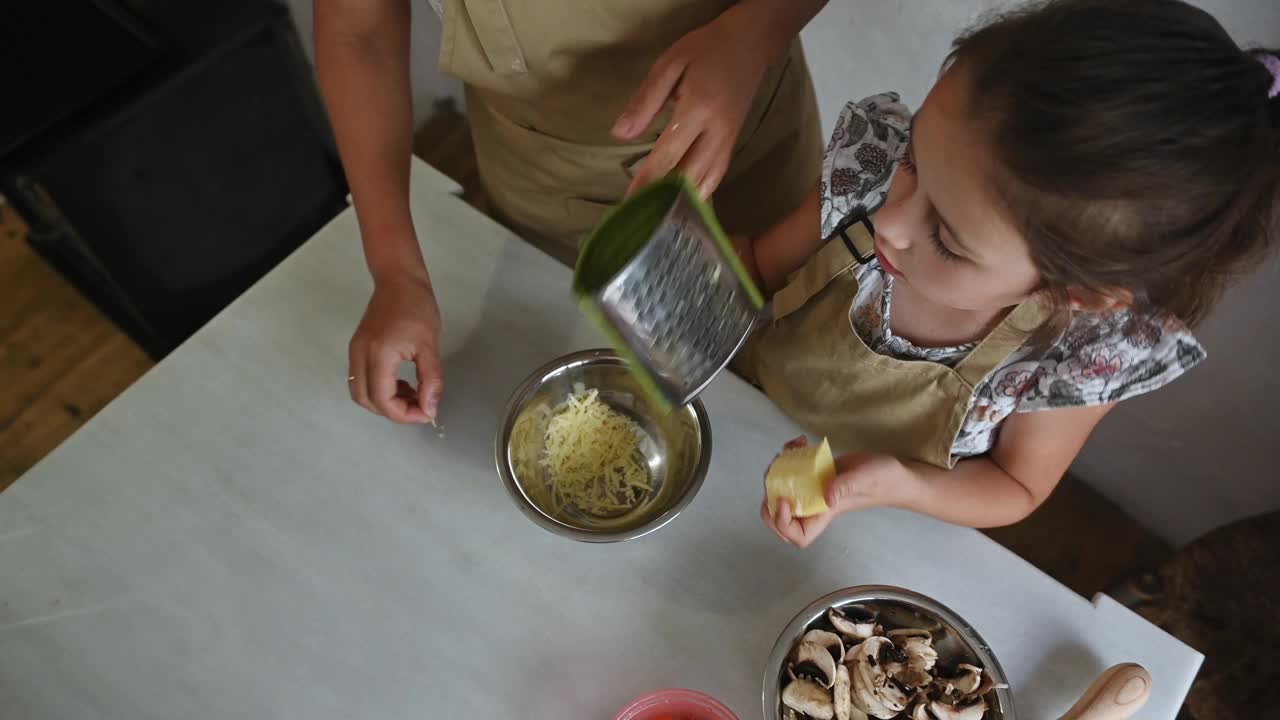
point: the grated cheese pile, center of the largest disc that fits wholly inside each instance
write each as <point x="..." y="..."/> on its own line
<point x="593" y="458"/>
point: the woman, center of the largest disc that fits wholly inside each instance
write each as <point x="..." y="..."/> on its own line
<point x="572" y="105"/>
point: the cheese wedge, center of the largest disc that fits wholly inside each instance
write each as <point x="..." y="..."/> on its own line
<point x="800" y="475"/>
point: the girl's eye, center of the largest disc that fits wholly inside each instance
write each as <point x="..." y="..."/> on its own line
<point x="943" y="251"/>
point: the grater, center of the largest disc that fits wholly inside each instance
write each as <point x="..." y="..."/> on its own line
<point x="659" y="277"/>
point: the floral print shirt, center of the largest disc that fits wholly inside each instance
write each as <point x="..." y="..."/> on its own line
<point x="1098" y="358"/>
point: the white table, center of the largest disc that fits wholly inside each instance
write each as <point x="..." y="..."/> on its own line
<point x="233" y="538"/>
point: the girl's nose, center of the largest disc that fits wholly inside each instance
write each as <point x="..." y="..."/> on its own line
<point x="893" y="225"/>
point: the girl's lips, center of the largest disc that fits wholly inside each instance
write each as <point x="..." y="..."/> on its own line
<point x="884" y="262"/>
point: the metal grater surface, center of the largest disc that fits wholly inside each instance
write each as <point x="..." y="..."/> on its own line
<point x="679" y="306"/>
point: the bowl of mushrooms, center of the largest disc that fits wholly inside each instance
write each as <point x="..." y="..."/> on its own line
<point x="883" y="652"/>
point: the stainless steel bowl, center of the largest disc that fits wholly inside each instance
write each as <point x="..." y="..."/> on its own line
<point x="677" y="446"/>
<point x="956" y="641"/>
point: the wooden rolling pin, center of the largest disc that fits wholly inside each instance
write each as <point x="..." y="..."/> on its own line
<point x="1117" y="694"/>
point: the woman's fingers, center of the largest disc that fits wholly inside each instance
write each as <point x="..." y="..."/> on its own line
<point x="647" y="101"/>
<point x="382" y="383"/>
<point x="358" y="373"/>
<point x="667" y="152"/>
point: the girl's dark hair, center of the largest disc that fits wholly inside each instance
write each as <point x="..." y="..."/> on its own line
<point x="1138" y="147"/>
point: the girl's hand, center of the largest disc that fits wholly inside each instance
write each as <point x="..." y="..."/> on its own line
<point x="712" y="75"/>
<point x="792" y="530"/>
<point x="402" y="322"/>
<point x="859" y="484"/>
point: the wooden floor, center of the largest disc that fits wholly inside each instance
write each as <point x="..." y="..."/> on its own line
<point x="61" y="361"/>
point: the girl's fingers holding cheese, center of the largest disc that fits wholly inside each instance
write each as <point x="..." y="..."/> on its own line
<point x="798" y="442"/>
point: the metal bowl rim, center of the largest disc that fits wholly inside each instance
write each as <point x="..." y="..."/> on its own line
<point x="771" y="692"/>
<point x="502" y="441"/>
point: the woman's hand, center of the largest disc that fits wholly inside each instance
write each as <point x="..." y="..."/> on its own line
<point x="859" y="483"/>
<point x="712" y="75"/>
<point x="402" y="322"/>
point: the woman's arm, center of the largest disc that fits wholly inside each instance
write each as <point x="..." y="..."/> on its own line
<point x="362" y="60"/>
<point x="362" y="57"/>
<point x="785" y="247"/>
<point x="1032" y="453"/>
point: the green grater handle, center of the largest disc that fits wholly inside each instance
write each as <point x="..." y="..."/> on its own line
<point x="722" y="239"/>
<point x="621" y="234"/>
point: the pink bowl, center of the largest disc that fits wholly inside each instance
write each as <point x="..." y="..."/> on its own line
<point x="679" y="704"/>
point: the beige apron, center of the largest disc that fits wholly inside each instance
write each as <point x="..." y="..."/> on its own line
<point x="812" y="364"/>
<point x="546" y="80"/>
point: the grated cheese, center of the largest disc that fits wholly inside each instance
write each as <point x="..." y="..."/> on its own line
<point x="593" y="458"/>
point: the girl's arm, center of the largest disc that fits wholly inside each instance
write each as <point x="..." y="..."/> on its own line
<point x="1032" y="453"/>
<point x="1030" y="457"/>
<point x="785" y="247"/>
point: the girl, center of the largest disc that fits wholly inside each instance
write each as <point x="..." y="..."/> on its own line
<point x="1071" y="196"/>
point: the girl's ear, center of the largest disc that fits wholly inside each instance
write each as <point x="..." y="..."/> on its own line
<point x="1099" y="301"/>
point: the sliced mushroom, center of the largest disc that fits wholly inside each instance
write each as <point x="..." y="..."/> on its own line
<point x="964" y="684"/>
<point x="897" y="664"/>
<point x="841" y="693"/>
<point x="813" y="661"/>
<point x="912" y="678"/>
<point x="862" y="670"/>
<point x="853" y="621"/>
<point x="844" y="696"/>
<point x="869" y="651"/>
<point x="973" y="675"/>
<point x="809" y="698"/>
<point x="828" y="640"/>
<point x="987" y="685"/>
<point x="918" y="645"/>
<point x="973" y="711"/>
<point x="873" y="691"/>
<point x="921" y="655"/>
